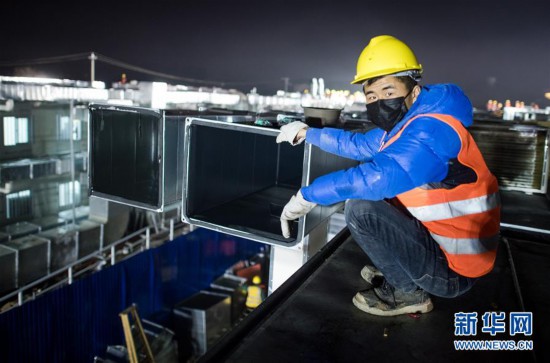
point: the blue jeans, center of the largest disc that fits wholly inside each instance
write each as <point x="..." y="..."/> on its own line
<point x="402" y="249"/>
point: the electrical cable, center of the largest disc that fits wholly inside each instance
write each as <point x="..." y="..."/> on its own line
<point x="46" y="60"/>
<point x="516" y="282"/>
<point x="124" y="65"/>
<point x="132" y="67"/>
<point x="105" y="59"/>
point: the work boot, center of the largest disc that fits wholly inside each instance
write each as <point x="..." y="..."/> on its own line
<point x="372" y="275"/>
<point x="385" y="300"/>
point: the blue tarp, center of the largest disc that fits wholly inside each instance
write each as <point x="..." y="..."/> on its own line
<point x="77" y="322"/>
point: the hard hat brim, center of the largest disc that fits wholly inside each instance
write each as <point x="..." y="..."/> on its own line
<point x="385" y="72"/>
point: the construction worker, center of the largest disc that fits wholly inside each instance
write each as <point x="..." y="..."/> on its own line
<point x="422" y="203"/>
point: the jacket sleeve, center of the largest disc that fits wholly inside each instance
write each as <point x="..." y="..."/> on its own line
<point x="351" y="145"/>
<point x="418" y="157"/>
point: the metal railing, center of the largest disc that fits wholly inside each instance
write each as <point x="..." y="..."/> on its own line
<point x="104" y="254"/>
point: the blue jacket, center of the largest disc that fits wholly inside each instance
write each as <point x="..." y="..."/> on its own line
<point x="419" y="156"/>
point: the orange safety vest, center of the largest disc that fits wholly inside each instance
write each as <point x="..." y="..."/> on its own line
<point x="465" y="220"/>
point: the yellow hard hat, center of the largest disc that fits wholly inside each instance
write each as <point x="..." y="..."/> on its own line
<point x="386" y="55"/>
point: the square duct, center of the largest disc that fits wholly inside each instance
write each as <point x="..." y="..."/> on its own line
<point x="135" y="156"/>
<point x="237" y="179"/>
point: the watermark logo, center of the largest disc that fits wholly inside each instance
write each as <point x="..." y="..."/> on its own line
<point x="521" y="323"/>
<point x="493" y="323"/>
<point x="465" y="324"/>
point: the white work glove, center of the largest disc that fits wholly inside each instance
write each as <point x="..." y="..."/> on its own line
<point x="294" y="209"/>
<point x="289" y="132"/>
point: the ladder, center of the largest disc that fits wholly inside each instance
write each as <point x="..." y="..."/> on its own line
<point x="130" y="339"/>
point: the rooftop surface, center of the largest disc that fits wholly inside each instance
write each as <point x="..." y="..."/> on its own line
<point x="313" y="319"/>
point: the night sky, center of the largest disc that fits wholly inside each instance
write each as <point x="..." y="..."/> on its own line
<point x="492" y="49"/>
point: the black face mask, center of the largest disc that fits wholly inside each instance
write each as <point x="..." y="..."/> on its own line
<point x="387" y="113"/>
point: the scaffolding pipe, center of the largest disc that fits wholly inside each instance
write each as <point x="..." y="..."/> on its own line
<point x="70" y="275"/>
<point x="72" y="185"/>
<point x="171" y="229"/>
<point x="92" y="59"/>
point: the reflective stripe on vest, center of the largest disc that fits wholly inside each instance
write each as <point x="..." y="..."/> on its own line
<point x="466" y="246"/>
<point x="456" y="208"/>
